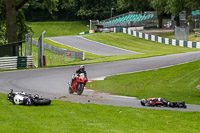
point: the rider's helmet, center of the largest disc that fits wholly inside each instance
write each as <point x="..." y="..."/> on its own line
<point x="82" y="67"/>
<point x="143" y="101"/>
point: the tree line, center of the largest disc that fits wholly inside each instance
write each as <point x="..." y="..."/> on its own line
<point x="15" y="13"/>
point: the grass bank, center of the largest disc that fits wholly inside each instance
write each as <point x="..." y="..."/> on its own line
<point x="58" y="28"/>
<point x="52" y="58"/>
<point x="171" y="35"/>
<point x="146" y="47"/>
<point x="120" y="40"/>
<point x="88" y="56"/>
<point x="125" y="41"/>
<point x="176" y="83"/>
<point x="70" y="117"/>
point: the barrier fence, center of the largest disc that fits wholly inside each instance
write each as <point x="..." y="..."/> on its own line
<point x="158" y="39"/>
<point x="16" y="62"/>
<point x="72" y="54"/>
<point x="8" y="62"/>
<point x="52" y="60"/>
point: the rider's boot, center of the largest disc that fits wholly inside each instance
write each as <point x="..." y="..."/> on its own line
<point x="69" y="83"/>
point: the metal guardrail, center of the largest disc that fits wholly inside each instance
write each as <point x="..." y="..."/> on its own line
<point x="29" y="63"/>
<point x="14" y="62"/>
<point x="8" y="62"/>
<point x="60" y="51"/>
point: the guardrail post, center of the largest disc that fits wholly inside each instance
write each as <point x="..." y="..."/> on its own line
<point x="41" y="49"/>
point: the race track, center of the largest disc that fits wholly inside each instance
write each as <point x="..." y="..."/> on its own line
<point x="52" y="82"/>
<point x="83" y="44"/>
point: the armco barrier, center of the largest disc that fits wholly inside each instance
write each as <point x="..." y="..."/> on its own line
<point x="159" y="39"/>
<point x="29" y="63"/>
<point x="8" y="62"/>
<point x="15" y="62"/>
<point x="78" y="55"/>
<point x="21" y="62"/>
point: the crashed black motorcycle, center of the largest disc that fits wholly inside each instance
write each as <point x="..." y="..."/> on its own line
<point x="22" y="98"/>
<point x="158" y="102"/>
<point x="179" y="104"/>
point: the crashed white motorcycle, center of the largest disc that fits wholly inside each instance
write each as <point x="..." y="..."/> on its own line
<point x="22" y="98"/>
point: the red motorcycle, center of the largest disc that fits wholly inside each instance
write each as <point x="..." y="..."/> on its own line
<point x="78" y="84"/>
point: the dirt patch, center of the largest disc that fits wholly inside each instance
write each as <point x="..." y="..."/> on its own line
<point x="62" y="97"/>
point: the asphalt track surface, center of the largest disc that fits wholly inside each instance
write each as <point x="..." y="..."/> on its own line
<point x="97" y="48"/>
<point x="52" y="82"/>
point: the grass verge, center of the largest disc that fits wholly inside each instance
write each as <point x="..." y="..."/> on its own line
<point x="52" y="58"/>
<point x="171" y="35"/>
<point x="58" y="28"/>
<point x="176" y="83"/>
<point x="121" y="40"/>
<point x="88" y="56"/>
<point x="70" y="117"/>
<point x="129" y="42"/>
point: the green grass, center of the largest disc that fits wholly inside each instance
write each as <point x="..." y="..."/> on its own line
<point x="129" y="42"/>
<point x="58" y="28"/>
<point x="88" y="56"/>
<point x="176" y="83"/>
<point x="148" y="48"/>
<point x="52" y="58"/>
<point x="64" y="117"/>
<point x="171" y="35"/>
<point x="121" y="40"/>
<point x="35" y="54"/>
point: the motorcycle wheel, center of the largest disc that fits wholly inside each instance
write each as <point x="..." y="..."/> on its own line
<point x="41" y="101"/>
<point x="80" y="88"/>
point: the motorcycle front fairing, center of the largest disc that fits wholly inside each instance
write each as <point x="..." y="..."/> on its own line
<point x="82" y="78"/>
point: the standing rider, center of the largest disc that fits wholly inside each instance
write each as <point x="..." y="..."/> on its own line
<point x="80" y="70"/>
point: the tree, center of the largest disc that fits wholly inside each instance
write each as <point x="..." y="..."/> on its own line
<point x="176" y="6"/>
<point x="189" y="6"/>
<point x="124" y="5"/>
<point x="90" y="9"/>
<point x="2" y="22"/>
<point x="36" y="11"/>
<point x="141" y="5"/>
<point x="136" y="5"/>
<point x="11" y="20"/>
<point x="12" y="7"/>
<point x="158" y="6"/>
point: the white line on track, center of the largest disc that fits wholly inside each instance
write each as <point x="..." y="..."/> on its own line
<point x="109" y="45"/>
<point x="71" y="46"/>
